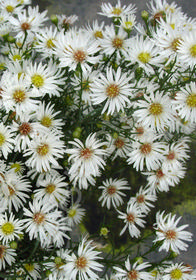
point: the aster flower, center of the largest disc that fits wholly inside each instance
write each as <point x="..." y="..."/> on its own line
<point x="86" y="159"/>
<point x="132" y="218"/>
<point x="112" y="192"/>
<point x="75" y="214"/>
<point x="10" y="228"/>
<point x="10" y="6"/>
<point x="96" y="31"/>
<point x="6" y="140"/>
<point x="187" y="49"/>
<point x="7" y="256"/>
<point x="112" y="89"/>
<point x="185" y="102"/>
<point x="75" y="48"/>
<point x="32" y="268"/>
<point x="148" y="153"/>
<point x="118" y="146"/>
<point x="133" y="272"/>
<point x="178" y="271"/>
<point x="155" y="111"/>
<point x="172" y="237"/>
<point x="52" y="189"/>
<point x="43" y="151"/>
<point x="83" y="264"/>
<point x="41" y="221"/>
<point x="116" y="11"/>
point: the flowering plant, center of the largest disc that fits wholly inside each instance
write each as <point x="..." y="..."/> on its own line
<point x="81" y="109"/>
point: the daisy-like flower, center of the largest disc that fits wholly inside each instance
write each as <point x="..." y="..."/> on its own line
<point x="52" y="189"/>
<point x="179" y="272"/>
<point x="185" y="102"/>
<point x="86" y="159"/>
<point x="113" y="89"/>
<point x="187" y="49"/>
<point x="111" y="192"/>
<point x="75" y="214"/>
<point x="96" y="31"/>
<point x="116" y="11"/>
<point x="144" y="199"/>
<point x="10" y="228"/>
<point x="32" y="268"/>
<point x="83" y="264"/>
<point x="46" y="41"/>
<point x="145" y="53"/>
<point x="155" y="111"/>
<point x="65" y="22"/>
<point x="147" y="153"/>
<point x="113" y="41"/>
<point x="6" y="140"/>
<point x="7" y="256"/>
<point x="76" y="47"/>
<point x="132" y="218"/>
<point x="172" y="237"/>
<point x="16" y="94"/>
<point x="28" y="21"/>
<point x="44" y="150"/>
<point x="127" y="22"/>
<point x="119" y="146"/>
<point x="41" y="221"/>
<point x="46" y="116"/>
<point x="134" y="272"/>
<point x="10" y="6"/>
<point x="45" y="79"/>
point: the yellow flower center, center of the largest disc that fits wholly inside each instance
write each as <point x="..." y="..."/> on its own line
<point x="2" y="66"/>
<point x="37" y="80"/>
<point x="116" y="11"/>
<point x="50" y="44"/>
<point x="39" y="218"/>
<point x="193" y="50"/>
<point x="175" y="44"/>
<point x="172" y="25"/>
<point x="81" y="262"/>
<point x="29" y="266"/>
<point x="16" y="166"/>
<point x="117" y="43"/>
<point x="43" y="149"/>
<point x="176" y="273"/>
<point x="191" y="100"/>
<point x="16" y="57"/>
<point x="50" y="188"/>
<point x="9" y="8"/>
<point x="112" y="90"/>
<point x="98" y="34"/>
<point x="72" y="213"/>
<point x="2" y="139"/>
<point x="144" y="57"/>
<point x="85" y="85"/>
<point x="7" y="228"/>
<point x="155" y="109"/>
<point x="46" y="121"/>
<point x="128" y="24"/>
<point x="19" y="95"/>
<point x="79" y="56"/>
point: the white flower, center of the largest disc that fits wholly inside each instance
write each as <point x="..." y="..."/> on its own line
<point x="119" y="146"/>
<point x="75" y="214"/>
<point x="187" y="49"/>
<point x="86" y="159"/>
<point x="32" y="268"/>
<point x="146" y="153"/>
<point x="41" y="221"/>
<point x="178" y="271"/>
<point x="114" y="88"/>
<point x="10" y="228"/>
<point x="7" y="256"/>
<point x="6" y="140"/>
<point x="116" y="11"/>
<point x="132" y="218"/>
<point x="172" y="237"/>
<point x="83" y="264"/>
<point x="44" y="150"/>
<point x="52" y="189"/>
<point x="133" y="272"/>
<point x="111" y="192"/>
<point x="75" y="48"/>
<point x="185" y="102"/>
<point x="155" y="111"/>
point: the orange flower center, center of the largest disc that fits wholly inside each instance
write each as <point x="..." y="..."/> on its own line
<point x="170" y="234"/>
<point x="38" y="218"/>
<point x="159" y="173"/>
<point x="171" y="155"/>
<point x="43" y="149"/>
<point x="81" y="262"/>
<point x="86" y="153"/>
<point x="119" y="143"/>
<point x="25" y="128"/>
<point x="133" y="275"/>
<point x="111" y="190"/>
<point x="146" y="148"/>
<point x="25" y="26"/>
<point x="112" y="90"/>
<point x="79" y="56"/>
<point x="130" y="218"/>
<point x="140" y="198"/>
<point x="117" y="43"/>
